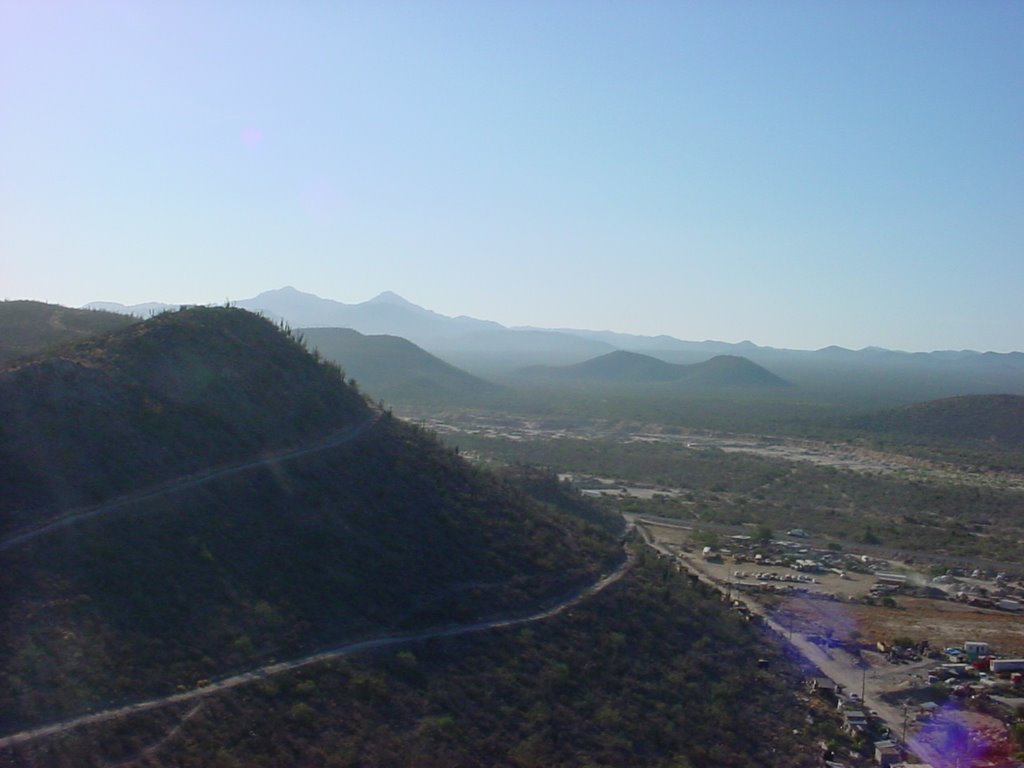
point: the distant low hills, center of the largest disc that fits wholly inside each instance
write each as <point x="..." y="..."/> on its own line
<point x="30" y="327"/>
<point x="997" y="419"/>
<point x="622" y="367"/>
<point x="394" y="368"/>
<point x="196" y="494"/>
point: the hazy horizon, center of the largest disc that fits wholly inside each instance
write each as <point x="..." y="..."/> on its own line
<point x="798" y="174"/>
<point x="527" y="327"/>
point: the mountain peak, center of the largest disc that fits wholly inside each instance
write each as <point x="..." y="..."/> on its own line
<point x="289" y="291"/>
<point x="390" y="297"/>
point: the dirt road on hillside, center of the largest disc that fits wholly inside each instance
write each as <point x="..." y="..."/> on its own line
<point x="80" y="514"/>
<point x="269" y="670"/>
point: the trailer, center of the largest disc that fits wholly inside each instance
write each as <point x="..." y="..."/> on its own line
<point x="1006" y="665"/>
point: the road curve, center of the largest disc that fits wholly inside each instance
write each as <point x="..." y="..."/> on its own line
<point x="77" y="515"/>
<point x="268" y="670"/>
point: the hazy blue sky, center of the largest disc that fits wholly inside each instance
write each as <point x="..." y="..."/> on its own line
<point x="799" y="174"/>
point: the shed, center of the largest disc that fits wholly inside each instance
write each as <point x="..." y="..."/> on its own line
<point x="823" y="685"/>
<point x="887" y="753"/>
<point x="975" y="649"/>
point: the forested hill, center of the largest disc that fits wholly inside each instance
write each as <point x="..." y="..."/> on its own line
<point x="998" y="419"/>
<point x="985" y="432"/>
<point x="29" y="327"/>
<point x="180" y="392"/>
<point x="383" y="529"/>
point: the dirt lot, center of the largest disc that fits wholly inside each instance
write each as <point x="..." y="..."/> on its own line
<point x="958" y="738"/>
<point x="943" y="623"/>
<point x="809" y="609"/>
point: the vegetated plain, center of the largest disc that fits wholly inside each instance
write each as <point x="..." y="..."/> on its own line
<point x="939" y="513"/>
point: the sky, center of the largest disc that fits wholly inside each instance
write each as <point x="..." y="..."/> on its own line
<point x="798" y="174"/>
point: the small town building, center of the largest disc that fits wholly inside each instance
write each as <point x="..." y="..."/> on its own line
<point x="823" y="686"/>
<point x="975" y="649"/>
<point x="887" y="753"/>
<point x="855" y="721"/>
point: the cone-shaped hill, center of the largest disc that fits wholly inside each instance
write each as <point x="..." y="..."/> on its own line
<point x="731" y="371"/>
<point x="622" y="367"/>
<point x="196" y="494"/>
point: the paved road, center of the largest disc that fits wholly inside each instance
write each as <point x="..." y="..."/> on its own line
<point x="77" y="515"/>
<point x="268" y="670"/>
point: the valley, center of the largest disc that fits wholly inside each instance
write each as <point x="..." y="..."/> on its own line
<point x="792" y="559"/>
<point x="244" y="555"/>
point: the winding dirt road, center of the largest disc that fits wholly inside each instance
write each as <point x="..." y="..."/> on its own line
<point x="268" y="670"/>
<point x="187" y="482"/>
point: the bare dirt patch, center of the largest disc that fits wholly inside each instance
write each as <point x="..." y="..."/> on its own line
<point x="943" y="623"/>
<point x="819" y="452"/>
<point x="960" y="738"/>
<point x="833" y="606"/>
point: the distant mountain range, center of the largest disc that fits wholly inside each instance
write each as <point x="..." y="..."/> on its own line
<point x="390" y="314"/>
<point x="492" y="350"/>
<point x="728" y="371"/>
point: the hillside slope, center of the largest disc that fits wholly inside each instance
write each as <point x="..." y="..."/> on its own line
<point x="654" y="671"/>
<point x="29" y="327"/>
<point x="393" y="368"/>
<point x="180" y="392"/>
<point x="387" y="530"/>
